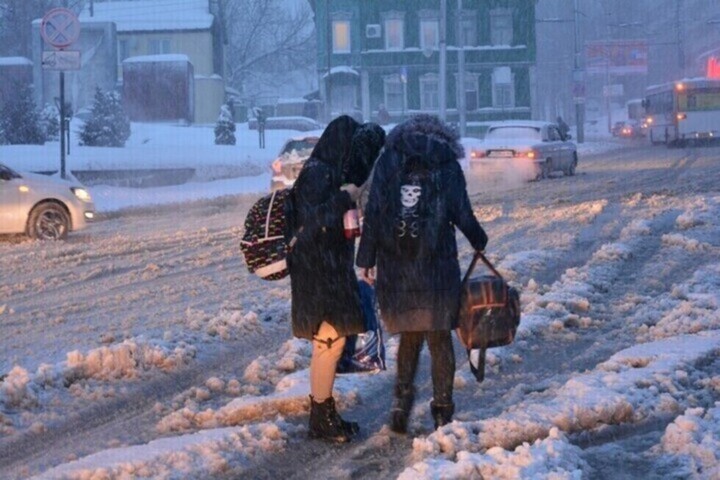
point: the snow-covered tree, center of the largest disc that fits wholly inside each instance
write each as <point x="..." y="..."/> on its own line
<point x="50" y="122"/>
<point x="20" y="119"/>
<point x="225" y="127"/>
<point x="108" y="125"/>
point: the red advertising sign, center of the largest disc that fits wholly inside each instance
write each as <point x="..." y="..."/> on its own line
<point x="713" y="68"/>
<point x="616" y="57"/>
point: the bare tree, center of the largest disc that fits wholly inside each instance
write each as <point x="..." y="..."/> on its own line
<point x="265" y="41"/>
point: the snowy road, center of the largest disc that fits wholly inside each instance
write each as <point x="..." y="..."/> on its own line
<point x="147" y="326"/>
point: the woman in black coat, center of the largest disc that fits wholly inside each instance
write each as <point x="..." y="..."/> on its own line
<point x="417" y="199"/>
<point x="325" y="295"/>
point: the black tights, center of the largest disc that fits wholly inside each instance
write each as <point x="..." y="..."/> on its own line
<point x="442" y="361"/>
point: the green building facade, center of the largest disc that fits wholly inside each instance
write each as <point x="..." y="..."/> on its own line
<point x="374" y="53"/>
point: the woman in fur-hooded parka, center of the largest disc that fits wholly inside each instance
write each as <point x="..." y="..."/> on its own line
<point x="416" y="201"/>
<point x="429" y="286"/>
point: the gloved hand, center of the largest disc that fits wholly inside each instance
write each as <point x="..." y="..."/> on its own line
<point x="353" y="190"/>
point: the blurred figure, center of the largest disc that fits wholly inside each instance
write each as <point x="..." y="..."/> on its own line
<point x="383" y="115"/>
<point x="563" y="127"/>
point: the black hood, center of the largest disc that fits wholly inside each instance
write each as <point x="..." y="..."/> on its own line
<point x="333" y="148"/>
<point x="426" y="136"/>
<point x="365" y="147"/>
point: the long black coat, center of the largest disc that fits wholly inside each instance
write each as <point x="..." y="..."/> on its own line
<point x="322" y="277"/>
<point x="418" y="294"/>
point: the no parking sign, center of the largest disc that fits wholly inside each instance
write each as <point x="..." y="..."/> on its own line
<point x="60" y="28"/>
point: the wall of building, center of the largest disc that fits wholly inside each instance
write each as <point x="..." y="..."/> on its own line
<point x="369" y="56"/>
<point x="197" y="45"/>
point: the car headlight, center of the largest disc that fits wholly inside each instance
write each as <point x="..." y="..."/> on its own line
<point x="81" y="194"/>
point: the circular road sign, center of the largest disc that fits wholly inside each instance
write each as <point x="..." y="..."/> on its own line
<point x="60" y="27"/>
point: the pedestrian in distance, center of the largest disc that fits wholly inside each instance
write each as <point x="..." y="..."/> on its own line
<point x="563" y="127"/>
<point x="326" y="305"/>
<point x="417" y="199"/>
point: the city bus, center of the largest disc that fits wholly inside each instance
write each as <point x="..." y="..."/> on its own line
<point x="679" y="112"/>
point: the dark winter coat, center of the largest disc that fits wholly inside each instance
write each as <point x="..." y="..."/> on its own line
<point x="419" y="294"/>
<point x="322" y="276"/>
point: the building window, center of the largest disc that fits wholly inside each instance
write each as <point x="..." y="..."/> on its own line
<point x="429" y="92"/>
<point x="501" y="26"/>
<point x="394" y="23"/>
<point x="429" y="34"/>
<point x="503" y="90"/>
<point x="341" y="36"/>
<point x="468" y="29"/>
<point x="159" y="46"/>
<point x="394" y="93"/>
<point x="470" y="91"/>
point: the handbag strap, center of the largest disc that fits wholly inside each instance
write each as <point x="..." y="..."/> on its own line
<point x="473" y="264"/>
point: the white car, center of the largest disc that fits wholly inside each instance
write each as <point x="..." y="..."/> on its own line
<point x="42" y="207"/>
<point x="293" y="154"/>
<point x="538" y="148"/>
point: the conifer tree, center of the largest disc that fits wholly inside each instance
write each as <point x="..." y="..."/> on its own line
<point x="225" y="128"/>
<point x="20" y="119"/>
<point x="50" y="122"/>
<point x="108" y="125"/>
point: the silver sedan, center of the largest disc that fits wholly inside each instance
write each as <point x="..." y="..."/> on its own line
<point x="42" y="207"/>
<point x="537" y="148"/>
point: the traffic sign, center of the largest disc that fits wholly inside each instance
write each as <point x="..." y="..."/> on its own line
<point x="60" y="28"/>
<point x="61" y="60"/>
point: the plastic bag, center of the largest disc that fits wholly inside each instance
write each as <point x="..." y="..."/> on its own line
<point x="365" y="352"/>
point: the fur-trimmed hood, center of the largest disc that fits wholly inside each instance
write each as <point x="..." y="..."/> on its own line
<point x="423" y="133"/>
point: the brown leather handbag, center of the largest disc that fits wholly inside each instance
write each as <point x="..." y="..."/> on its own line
<point x="489" y="313"/>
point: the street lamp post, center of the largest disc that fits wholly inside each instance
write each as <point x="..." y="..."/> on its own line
<point x="578" y="81"/>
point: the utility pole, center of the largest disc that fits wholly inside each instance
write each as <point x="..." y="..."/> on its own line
<point x="328" y="81"/>
<point x="678" y="39"/>
<point x="92" y="9"/>
<point x="442" y="84"/>
<point x="578" y="80"/>
<point x="461" y="70"/>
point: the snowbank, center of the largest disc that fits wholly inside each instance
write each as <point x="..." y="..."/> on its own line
<point x="634" y="385"/>
<point x="22" y="390"/>
<point x="226" y="451"/>
<point x="694" y="438"/>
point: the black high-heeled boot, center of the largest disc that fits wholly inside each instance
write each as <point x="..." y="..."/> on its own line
<point x="327" y="424"/>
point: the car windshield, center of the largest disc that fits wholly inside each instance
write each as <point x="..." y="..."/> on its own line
<point x="514" y="132"/>
<point x="8" y="172"/>
<point x="303" y="146"/>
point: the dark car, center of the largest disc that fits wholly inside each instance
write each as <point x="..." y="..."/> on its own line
<point x="617" y="129"/>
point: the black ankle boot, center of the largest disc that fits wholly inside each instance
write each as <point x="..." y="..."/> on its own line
<point x="326" y="423"/>
<point x="404" y="399"/>
<point x="442" y="413"/>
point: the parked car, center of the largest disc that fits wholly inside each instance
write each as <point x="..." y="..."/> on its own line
<point x="293" y="154"/>
<point x="536" y="148"/>
<point x="42" y="207"/>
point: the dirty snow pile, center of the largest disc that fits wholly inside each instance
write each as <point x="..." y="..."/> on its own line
<point x="643" y="382"/>
<point x="669" y="376"/>
<point x="207" y="453"/>
<point x="694" y="439"/>
<point x="22" y="391"/>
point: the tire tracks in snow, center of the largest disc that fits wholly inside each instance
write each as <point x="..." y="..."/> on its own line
<point x="131" y="415"/>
